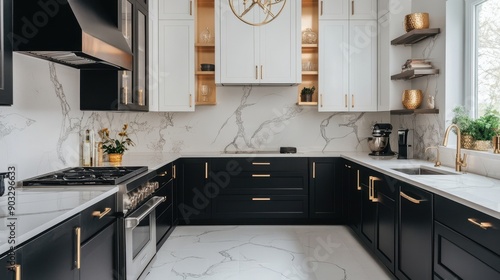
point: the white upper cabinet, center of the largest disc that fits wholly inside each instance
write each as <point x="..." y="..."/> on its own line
<point x="348" y="9"/>
<point x="348" y="66"/>
<point x="175" y="9"/>
<point x="265" y="54"/>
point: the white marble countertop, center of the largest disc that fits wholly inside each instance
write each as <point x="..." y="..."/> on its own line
<point x="37" y="210"/>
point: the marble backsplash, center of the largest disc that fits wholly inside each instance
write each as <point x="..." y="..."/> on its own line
<point x="41" y="131"/>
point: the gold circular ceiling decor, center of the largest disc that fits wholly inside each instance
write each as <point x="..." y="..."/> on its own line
<point x="257" y="12"/>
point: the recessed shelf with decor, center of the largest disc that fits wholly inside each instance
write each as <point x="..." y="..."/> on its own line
<point x="309" y="45"/>
<point x="415" y="73"/>
<point x="310" y="20"/>
<point x="414" y="111"/>
<point x="415" y="36"/>
<point x="300" y="103"/>
<point x="206" y="90"/>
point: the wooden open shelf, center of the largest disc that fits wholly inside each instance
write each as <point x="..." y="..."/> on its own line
<point x="309" y="72"/>
<point x="205" y="51"/>
<point x="205" y="72"/>
<point x="309" y="52"/>
<point x="314" y="103"/>
<point x="414" y="111"/>
<point x="415" y="36"/>
<point x="309" y="45"/>
<point x="415" y="73"/>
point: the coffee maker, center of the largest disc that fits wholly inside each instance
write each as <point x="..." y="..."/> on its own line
<point x="379" y="144"/>
<point x="405" y="144"/>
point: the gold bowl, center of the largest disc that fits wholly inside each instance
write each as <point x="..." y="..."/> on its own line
<point x="412" y="98"/>
<point x="416" y="21"/>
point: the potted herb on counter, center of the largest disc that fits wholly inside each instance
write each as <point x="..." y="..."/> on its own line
<point x="115" y="147"/>
<point x="307" y="93"/>
<point x="463" y="120"/>
<point x="484" y="129"/>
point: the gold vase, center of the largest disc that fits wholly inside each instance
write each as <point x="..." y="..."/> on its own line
<point x="115" y="157"/>
<point x="467" y="142"/>
<point x="412" y="98"/>
<point x="416" y="21"/>
<point x="482" y="145"/>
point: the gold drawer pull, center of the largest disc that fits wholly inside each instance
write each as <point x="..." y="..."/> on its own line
<point x="163" y="174"/>
<point x="78" y="247"/>
<point x="100" y="214"/>
<point x="261" y="163"/>
<point x="261" y="175"/>
<point x="411" y="199"/>
<point x="483" y="225"/>
<point x="261" y="199"/>
<point x="17" y="271"/>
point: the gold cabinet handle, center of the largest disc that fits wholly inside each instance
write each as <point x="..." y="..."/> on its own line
<point x="206" y="170"/>
<point x="190" y="8"/>
<point x="256" y="72"/>
<point x="321" y="13"/>
<point x="190" y="100"/>
<point x="352" y="99"/>
<point x="261" y="175"/>
<point x="358" y="186"/>
<point x="163" y="174"/>
<point x="321" y="100"/>
<point x="314" y="170"/>
<point x="409" y="198"/>
<point x="17" y="271"/>
<point x="261" y="72"/>
<point x="483" y="225"/>
<point x="345" y="100"/>
<point x="174" y="171"/>
<point x="261" y="163"/>
<point x="352" y="7"/>
<point x="100" y="214"/>
<point x="78" y="247"/>
<point x="371" y="190"/>
<point x="261" y="199"/>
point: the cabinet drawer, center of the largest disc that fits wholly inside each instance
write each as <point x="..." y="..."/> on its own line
<point x="91" y="223"/>
<point x="247" y="206"/>
<point x="457" y="257"/>
<point x="167" y="191"/>
<point x="164" y="174"/>
<point x="468" y="221"/>
<point x="258" y="164"/>
<point x="267" y="183"/>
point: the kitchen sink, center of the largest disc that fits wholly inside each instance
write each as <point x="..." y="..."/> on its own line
<point x="422" y="170"/>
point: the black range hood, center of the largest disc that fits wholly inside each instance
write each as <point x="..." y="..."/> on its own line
<point x="84" y="34"/>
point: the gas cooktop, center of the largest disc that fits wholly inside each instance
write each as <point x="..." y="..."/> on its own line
<point x="87" y="176"/>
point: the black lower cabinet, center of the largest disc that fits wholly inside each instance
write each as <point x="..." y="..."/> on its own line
<point x="352" y="188"/>
<point x="325" y="192"/>
<point x="53" y="255"/>
<point x="98" y="255"/>
<point x="8" y="264"/>
<point x="164" y="212"/>
<point x="457" y="257"/>
<point x="414" y="246"/>
<point x="195" y="205"/>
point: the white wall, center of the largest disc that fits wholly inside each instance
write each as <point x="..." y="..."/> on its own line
<point x="41" y="131"/>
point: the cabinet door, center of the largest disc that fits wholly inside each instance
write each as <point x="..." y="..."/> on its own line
<point x="280" y="48"/>
<point x="141" y="58"/>
<point x="363" y="9"/>
<point x="324" y="191"/>
<point x="10" y="266"/>
<point x="368" y="215"/>
<point x="6" y="97"/>
<point x="53" y="255"/>
<point x="176" y="69"/>
<point x="362" y="55"/>
<point x="351" y="182"/>
<point x="98" y="255"/>
<point x="237" y="57"/>
<point x="385" y="225"/>
<point x="197" y="193"/>
<point x="414" y="234"/>
<point x="334" y="9"/>
<point x="333" y="65"/>
<point x="176" y="9"/>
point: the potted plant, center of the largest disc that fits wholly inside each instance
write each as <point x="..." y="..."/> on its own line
<point x="463" y="120"/>
<point x="115" y="147"/>
<point x="306" y="94"/>
<point x="484" y="129"/>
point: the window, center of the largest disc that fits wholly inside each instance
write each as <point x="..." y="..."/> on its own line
<point x="482" y="55"/>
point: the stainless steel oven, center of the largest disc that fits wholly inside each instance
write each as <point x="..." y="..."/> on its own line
<point x="140" y="238"/>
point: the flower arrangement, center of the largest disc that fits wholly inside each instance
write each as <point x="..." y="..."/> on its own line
<point x="115" y="146"/>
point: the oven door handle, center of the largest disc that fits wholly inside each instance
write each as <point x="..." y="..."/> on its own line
<point x="133" y="220"/>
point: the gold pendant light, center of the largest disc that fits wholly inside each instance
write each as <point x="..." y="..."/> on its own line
<point x="257" y="12"/>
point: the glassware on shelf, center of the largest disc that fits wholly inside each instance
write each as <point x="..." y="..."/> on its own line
<point x="309" y="36"/>
<point x="205" y="36"/>
<point x="205" y="91"/>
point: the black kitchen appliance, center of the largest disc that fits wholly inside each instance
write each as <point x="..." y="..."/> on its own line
<point x="380" y="143"/>
<point x="404" y="144"/>
<point x="2" y="182"/>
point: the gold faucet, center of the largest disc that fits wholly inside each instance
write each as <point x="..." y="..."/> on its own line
<point x="459" y="161"/>
<point x="437" y="163"/>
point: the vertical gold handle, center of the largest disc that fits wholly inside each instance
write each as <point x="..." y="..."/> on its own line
<point x="352" y="99"/>
<point x="373" y="179"/>
<point x="352" y="7"/>
<point x="314" y="170"/>
<point x="321" y="100"/>
<point x="321" y="8"/>
<point x="345" y="100"/>
<point x="261" y="72"/>
<point x="256" y="72"/>
<point x="358" y="186"/>
<point x="206" y="170"/>
<point x="78" y="247"/>
<point x="174" y="171"/>
<point x="190" y="8"/>
<point x="17" y="271"/>
<point x="190" y="100"/>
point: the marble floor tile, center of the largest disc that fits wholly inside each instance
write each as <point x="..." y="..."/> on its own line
<point x="264" y="253"/>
